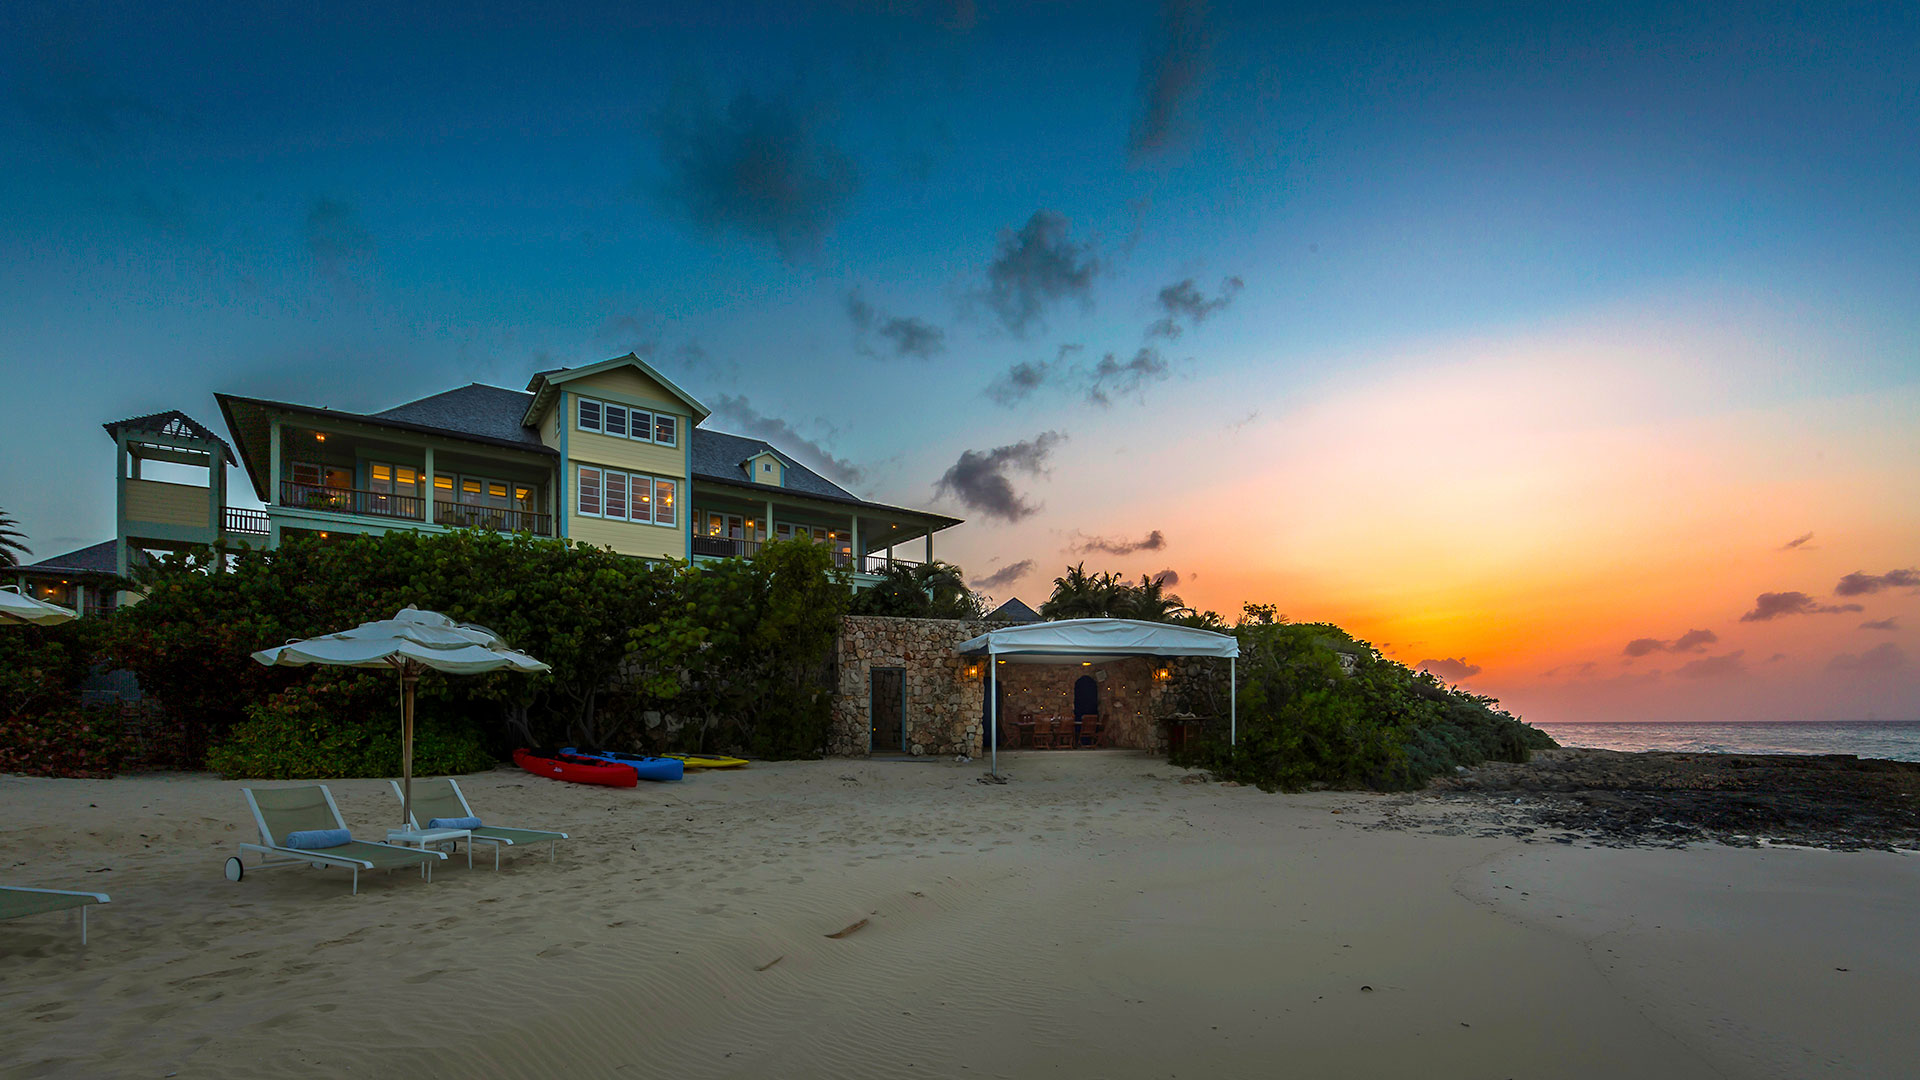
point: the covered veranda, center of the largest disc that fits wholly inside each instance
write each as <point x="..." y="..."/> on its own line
<point x="1088" y="644"/>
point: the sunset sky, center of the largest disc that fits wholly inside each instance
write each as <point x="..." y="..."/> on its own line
<point x="1575" y="351"/>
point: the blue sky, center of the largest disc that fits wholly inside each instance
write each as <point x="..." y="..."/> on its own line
<point x="857" y="219"/>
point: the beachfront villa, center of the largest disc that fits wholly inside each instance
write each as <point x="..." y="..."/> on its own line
<point x="611" y="454"/>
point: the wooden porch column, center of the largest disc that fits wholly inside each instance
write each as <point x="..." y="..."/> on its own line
<point x="859" y="564"/>
<point x="929" y="545"/>
<point x="427" y="486"/>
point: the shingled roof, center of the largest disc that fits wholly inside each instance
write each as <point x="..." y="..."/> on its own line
<point x="101" y="558"/>
<point x="474" y="409"/>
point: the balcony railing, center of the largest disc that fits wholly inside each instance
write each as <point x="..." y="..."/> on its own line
<point x="733" y="547"/>
<point x="465" y="516"/>
<point x="246" y="522"/>
<point x="349" y="501"/>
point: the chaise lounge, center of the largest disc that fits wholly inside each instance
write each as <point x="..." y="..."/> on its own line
<point x="18" y="900"/>
<point x="302" y="826"/>
<point x="442" y="801"/>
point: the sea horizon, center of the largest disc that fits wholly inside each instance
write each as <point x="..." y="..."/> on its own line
<point x="1894" y="740"/>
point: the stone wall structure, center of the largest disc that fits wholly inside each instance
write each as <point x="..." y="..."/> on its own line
<point x="946" y="693"/>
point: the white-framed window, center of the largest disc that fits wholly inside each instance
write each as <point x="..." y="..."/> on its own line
<point x="588" y="490"/>
<point x="627" y="422"/>
<point x="623" y="496"/>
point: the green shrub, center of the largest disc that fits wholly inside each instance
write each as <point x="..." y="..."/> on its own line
<point x="65" y="740"/>
<point x="340" y="727"/>
<point x="1320" y="707"/>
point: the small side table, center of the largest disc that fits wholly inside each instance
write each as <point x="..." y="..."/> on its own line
<point x="424" y="838"/>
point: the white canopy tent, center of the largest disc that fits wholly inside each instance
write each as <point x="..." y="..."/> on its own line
<point x="1094" y="640"/>
<point x="17" y="609"/>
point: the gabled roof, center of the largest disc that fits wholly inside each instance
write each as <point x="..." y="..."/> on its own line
<point x="719" y="456"/>
<point x="474" y="409"/>
<point x="101" y="558"/>
<point x="544" y="383"/>
<point x="172" y="422"/>
<point x="1013" y="611"/>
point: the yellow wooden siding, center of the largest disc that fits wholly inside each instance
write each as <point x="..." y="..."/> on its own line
<point x="630" y="538"/>
<point x="167" y="504"/>
<point x="761" y="475"/>
<point x="627" y="384"/>
<point x="593" y="448"/>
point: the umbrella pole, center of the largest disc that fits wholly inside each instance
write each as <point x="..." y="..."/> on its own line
<point x="408" y="677"/>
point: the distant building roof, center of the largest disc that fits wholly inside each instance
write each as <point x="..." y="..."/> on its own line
<point x="101" y="558"/>
<point x="1013" y="611"/>
<point x="171" y="422"/>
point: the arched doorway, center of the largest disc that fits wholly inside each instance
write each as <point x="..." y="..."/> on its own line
<point x="1086" y="697"/>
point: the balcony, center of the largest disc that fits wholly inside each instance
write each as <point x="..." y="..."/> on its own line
<point x="731" y="547"/>
<point x="242" y="522"/>
<point x="349" y="501"/>
<point x="465" y="516"/>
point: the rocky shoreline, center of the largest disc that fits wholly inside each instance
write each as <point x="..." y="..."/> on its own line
<point x="1666" y="799"/>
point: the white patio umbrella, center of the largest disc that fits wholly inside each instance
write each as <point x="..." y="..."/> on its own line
<point x="410" y="643"/>
<point x="19" y="610"/>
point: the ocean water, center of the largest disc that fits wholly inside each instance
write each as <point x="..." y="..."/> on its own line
<point x="1898" y="740"/>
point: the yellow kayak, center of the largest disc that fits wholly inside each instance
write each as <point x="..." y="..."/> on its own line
<point x="708" y="761"/>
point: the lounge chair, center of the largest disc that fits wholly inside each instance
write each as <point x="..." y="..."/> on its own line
<point x="18" y="900"/>
<point x="442" y="800"/>
<point x="282" y="812"/>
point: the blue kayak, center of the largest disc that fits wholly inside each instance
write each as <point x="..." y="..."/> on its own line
<point x="648" y="768"/>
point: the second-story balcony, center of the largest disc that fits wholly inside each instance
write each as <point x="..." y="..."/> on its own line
<point x="383" y="504"/>
<point x="733" y="547"/>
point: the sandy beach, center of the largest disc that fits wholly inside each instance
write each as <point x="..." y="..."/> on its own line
<point x="1101" y="915"/>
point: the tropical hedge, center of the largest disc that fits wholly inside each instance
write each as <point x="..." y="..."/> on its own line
<point x="1321" y="708"/>
<point x="733" y="656"/>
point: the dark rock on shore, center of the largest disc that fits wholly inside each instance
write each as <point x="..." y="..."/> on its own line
<point x="1833" y="801"/>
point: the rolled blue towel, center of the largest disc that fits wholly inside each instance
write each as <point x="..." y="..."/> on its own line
<point x="454" y="823"/>
<point x="314" y="839"/>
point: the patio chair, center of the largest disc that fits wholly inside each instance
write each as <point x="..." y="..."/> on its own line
<point x="1061" y="735"/>
<point x="283" y="814"/>
<point x="442" y="800"/>
<point x="18" y="900"/>
<point x="1092" y="731"/>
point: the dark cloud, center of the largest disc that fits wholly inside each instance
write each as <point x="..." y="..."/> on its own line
<point x="1891" y="622"/>
<point x="1019" y="382"/>
<point x="1885" y="656"/>
<point x="1773" y="605"/>
<point x="1862" y="584"/>
<point x="1182" y="302"/>
<point x="85" y="113"/>
<point x="1693" y="641"/>
<point x="1168" y="578"/>
<point x="1113" y="376"/>
<point x="1798" y="543"/>
<point x="1170" y="74"/>
<point x="1642" y="646"/>
<point x="903" y="337"/>
<point x="1451" y="669"/>
<point x="1036" y="268"/>
<point x="1713" y="667"/>
<point x="335" y="238"/>
<point x="1154" y="541"/>
<point x="738" y="413"/>
<point x="762" y="167"/>
<point x="980" y="480"/>
<point x="1006" y="575"/>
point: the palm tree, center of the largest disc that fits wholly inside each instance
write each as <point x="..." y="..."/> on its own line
<point x="12" y="540"/>
<point x="946" y="587"/>
<point x="1080" y="595"/>
<point x="1150" y="601"/>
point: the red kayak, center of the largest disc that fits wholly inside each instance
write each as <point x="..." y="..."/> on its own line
<point x="579" y="770"/>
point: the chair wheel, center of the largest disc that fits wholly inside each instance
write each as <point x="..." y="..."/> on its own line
<point x="235" y="871"/>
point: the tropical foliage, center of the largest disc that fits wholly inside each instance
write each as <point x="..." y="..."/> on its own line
<point x="13" y="542"/>
<point x="935" y="590"/>
<point x="731" y="656"/>
<point x="1078" y="594"/>
<point x="1318" y="707"/>
<point x="43" y="729"/>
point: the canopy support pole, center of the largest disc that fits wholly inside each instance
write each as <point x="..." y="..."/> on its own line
<point x="993" y="712"/>
<point x="408" y="677"/>
<point x="1233" y="702"/>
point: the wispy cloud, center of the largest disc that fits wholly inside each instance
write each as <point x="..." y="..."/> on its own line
<point x="738" y="413"/>
<point x="1864" y="584"/>
<point x="1113" y="376"/>
<point x="1773" y="605"/>
<point x="1450" y="669"/>
<point x="1714" y="667"/>
<point x="982" y="480"/>
<point x="1183" y="306"/>
<point x="1883" y="657"/>
<point x="1168" y="578"/>
<point x="902" y="337"/>
<point x="1691" y="641"/>
<point x="1154" y="541"/>
<point x="1170" y="75"/>
<point x="1798" y="543"/>
<point x="1891" y="622"/>
<point x="1037" y="267"/>
<point x="1006" y="575"/>
<point x="765" y="168"/>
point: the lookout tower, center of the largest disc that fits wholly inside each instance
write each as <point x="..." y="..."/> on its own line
<point x="188" y="507"/>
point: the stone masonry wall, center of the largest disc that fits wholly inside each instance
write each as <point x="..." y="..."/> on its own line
<point x="943" y="700"/>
